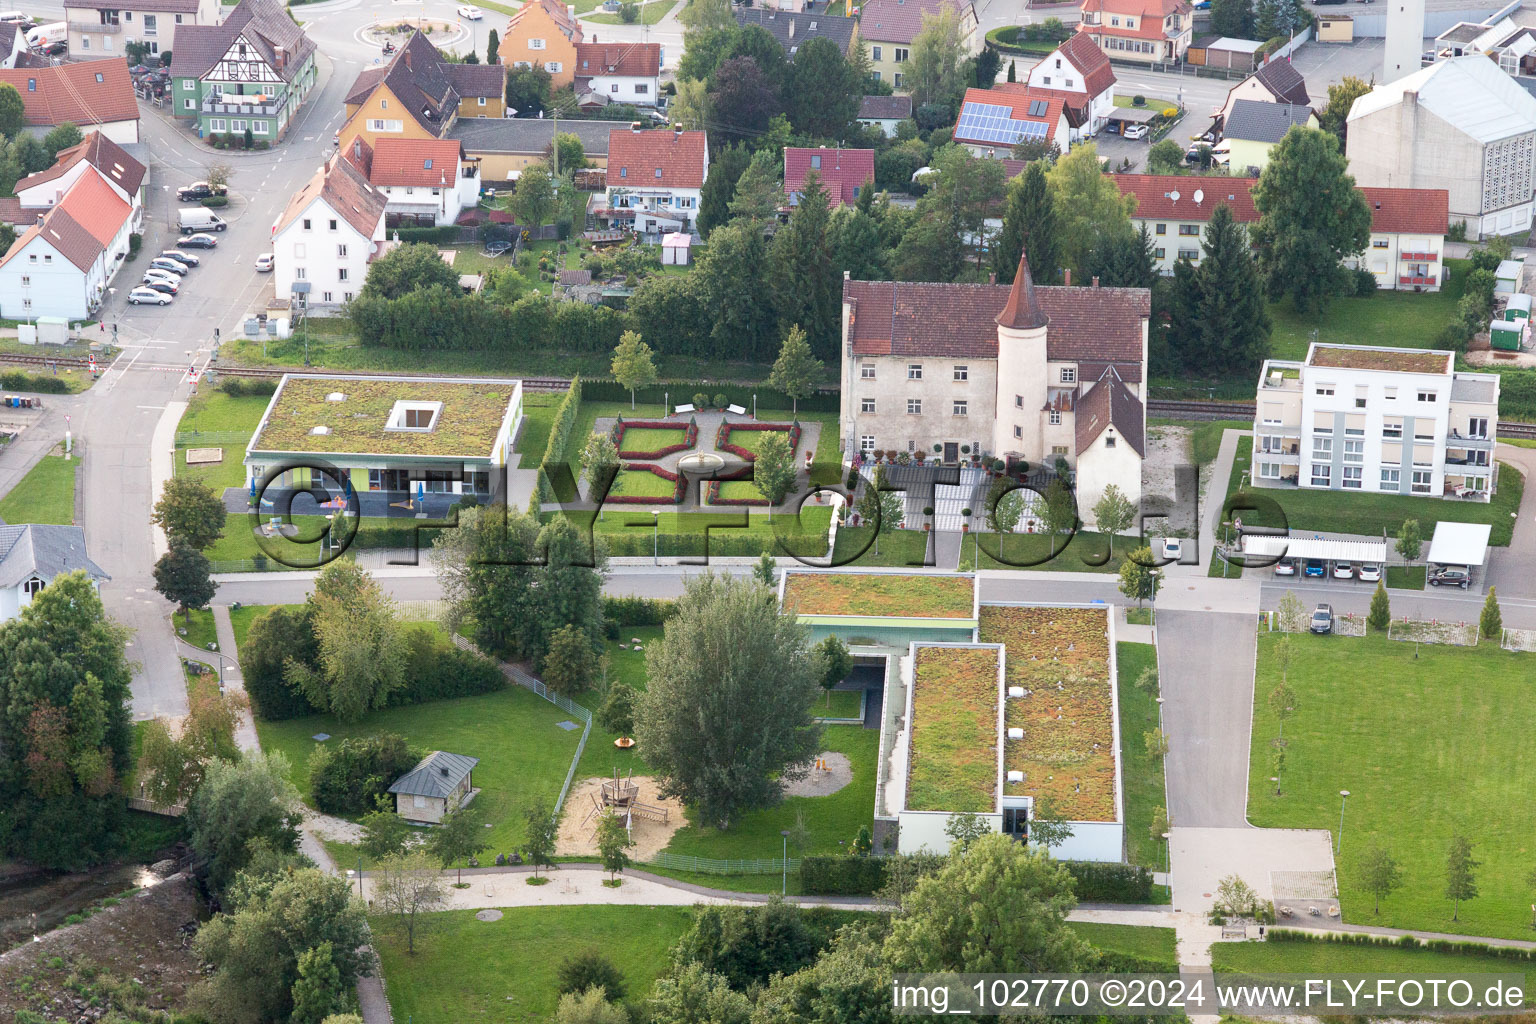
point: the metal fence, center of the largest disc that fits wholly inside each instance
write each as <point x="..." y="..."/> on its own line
<point x="711" y="866"/>
<point x="571" y="708"/>
<point x="421" y="611"/>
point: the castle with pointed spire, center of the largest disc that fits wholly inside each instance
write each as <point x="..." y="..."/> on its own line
<point x="1021" y="372"/>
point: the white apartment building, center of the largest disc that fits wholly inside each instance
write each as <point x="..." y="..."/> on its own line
<point x="99" y="29"/>
<point x="1389" y="420"/>
<point x="323" y="242"/>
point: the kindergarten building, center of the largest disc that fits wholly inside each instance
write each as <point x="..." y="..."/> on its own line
<point x="991" y="709"/>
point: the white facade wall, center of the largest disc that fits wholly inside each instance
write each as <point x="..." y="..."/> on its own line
<point x="1174" y="238"/>
<point x="1405" y="39"/>
<point x="1109" y="460"/>
<point x="636" y="89"/>
<point x="923" y="831"/>
<point x="656" y="209"/>
<point x="887" y="125"/>
<point x="891" y="389"/>
<point x="1057" y="72"/>
<point x="51" y="286"/>
<point x="12" y="600"/>
<point x="89" y="38"/>
<point x="315" y="255"/>
<point x="1385" y="258"/>
<point x="121" y="132"/>
<point x="450" y="200"/>
<point x="50" y="192"/>
<point x="1102" y="841"/>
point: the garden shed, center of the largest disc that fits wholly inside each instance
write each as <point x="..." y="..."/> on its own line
<point x="675" y="249"/>
<point x="441" y="782"/>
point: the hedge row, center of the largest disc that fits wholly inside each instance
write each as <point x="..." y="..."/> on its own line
<point x="16" y="380"/>
<point x="721" y="545"/>
<point x="736" y="394"/>
<point x="446" y="320"/>
<point x="1110" y="883"/>
<point x="637" y="611"/>
<point x="437" y="670"/>
<point x="841" y="876"/>
<point x="241" y="387"/>
<point x="1404" y="942"/>
<point x="555" y="452"/>
<point x="444" y="235"/>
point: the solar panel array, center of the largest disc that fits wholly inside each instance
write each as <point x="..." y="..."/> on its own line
<point x="990" y="122"/>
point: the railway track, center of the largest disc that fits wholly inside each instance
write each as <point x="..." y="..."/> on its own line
<point x="19" y="359"/>
<point x="1178" y="410"/>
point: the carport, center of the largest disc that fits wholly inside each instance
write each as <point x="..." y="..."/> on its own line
<point x="1299" y="550"/>
<point x="1121" y="117"/>
<point x="1460" y="545"/>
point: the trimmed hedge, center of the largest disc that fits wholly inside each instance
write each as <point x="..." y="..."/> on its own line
<point x="348" y="777"/>
<point x="1110" y="883"/>
<point x="1405" y="942"/>
<point x="437" y="670"/>
<point x="16" y="380"/>
<point x="841" y="876"/>
<point x="736" y="394"/>
<point x="241" y="387"/>
<point x="559" y="440"/>
<point x="444" y="235"/>
<point x="637" y="611"/>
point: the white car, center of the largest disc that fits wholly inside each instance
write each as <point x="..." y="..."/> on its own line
<point x="1285" y="567"/>
<point x="1173" y="548"/>
<point x="1136" y="131"/>
<point x="471" y="12"/>
<point x="1343" y="571"/>
<point x="264" y="263"/>
<point x="1370" y="573"/>
<point x="139" y="295"/>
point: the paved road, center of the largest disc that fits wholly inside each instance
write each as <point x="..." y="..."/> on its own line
<point x="1205" y="666"/>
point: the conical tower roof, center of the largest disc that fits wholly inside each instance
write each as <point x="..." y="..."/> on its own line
<point x="1023" y="311"/>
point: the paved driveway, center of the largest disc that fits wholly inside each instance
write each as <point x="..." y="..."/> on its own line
<point x="1205" y="666"/>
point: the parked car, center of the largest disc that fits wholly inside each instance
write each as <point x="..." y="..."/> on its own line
<point x="1285" y="567"/>
<point x="160" y="284"/>
<point x="1370" y="573"/>
<point x="166" y="263"/>
<point x="1315" y="567"/>
<point x="161" y="275"/>
<point x="149" y="295"/>
<point x="1343" y="571"/>
<point x="199" y="190"/>
<point x="201" y="240"/>
<point x="1172" y="548"/>
<point x="1136" y="131"/>
<point x="264" y="263"/>
<point x="471" y="12"/>
<point x="1450" y="578"/>
<point x="182" y="257"/>
<point x="1322" y="619"/>
<point x="1112" y="128"/>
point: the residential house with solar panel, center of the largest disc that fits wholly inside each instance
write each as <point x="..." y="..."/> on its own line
<point x="31" y="555"/>
<point x="993" y="121"/>
<point x="249" y="74"/>
<point x="1020" y="372"/>
<point x="1081" y="72"/>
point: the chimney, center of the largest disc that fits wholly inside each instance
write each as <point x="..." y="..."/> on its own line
<point x="1066" y="277"/>
<point x="791" y="28"/>
<point x="677" y="132"/>
<point x="39" y="220"/>
<point x="634" y="126"/>
<point x="992" y="278"/>
<point x="1095" y="282"/>
<point x="408" y="58"/>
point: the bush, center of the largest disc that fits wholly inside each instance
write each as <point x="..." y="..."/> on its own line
<point x="1138" y="101"/>
<point x="559" y="439"/>
<point x="216" y="202"/>
<point x="1404" y="942"/>
<point x="1364" y="283"/>
<point x="135" y="243"/>
<point x="1109" y="883"/>
<point x="617" y="714"/>
<point x="437" y="670"/>
<point x="278" y="634"/>
<point x="16" y="380"/>
<point x="587" y="969"/>
<point x="637" y="611"/>
<point x="841" y="876"/>
<point x="435" y="236"/>
<point x="349" y="776"/>
<point x="240" y="387"/>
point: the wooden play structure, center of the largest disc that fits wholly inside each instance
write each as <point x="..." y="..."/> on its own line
<point x="622" y="795"/>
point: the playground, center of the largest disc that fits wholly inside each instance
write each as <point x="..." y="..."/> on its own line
<point x="652" y="820"/>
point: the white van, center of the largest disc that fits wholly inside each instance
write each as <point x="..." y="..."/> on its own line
<point x="14" y="18"/>
<point x="199" y="219"/>
<point x="47" y="35"/>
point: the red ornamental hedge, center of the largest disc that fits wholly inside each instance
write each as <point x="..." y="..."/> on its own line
<point x="690" y="437"/>
<point x="723" y="437"/>
<point x="678" y="491"/>
<point x="713" y="493"/>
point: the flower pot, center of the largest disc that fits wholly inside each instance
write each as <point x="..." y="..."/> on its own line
<point x="965" y="527"/>
<point x="927" y="527"/>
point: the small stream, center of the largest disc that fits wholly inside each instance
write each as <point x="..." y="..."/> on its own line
<point x="40" y="901"/>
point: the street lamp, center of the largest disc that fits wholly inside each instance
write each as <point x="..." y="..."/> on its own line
<point x="1168" y="866"/>
<point x="655" y="536"/>
<point x="1343" y="798"/>
<point x="784" y="864"/>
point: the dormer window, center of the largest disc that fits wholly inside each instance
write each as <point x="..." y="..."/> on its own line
<point x="427" y="163"/>
<point x="816" y="161"/>
<point x="414" y="416"/>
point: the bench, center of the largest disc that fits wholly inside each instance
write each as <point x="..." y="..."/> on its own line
<point x="683" y="408"/>
<point x="738" y="410"/>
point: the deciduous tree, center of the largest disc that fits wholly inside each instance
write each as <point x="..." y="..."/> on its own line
<point x="408" y="268"/>
<point x="1341" y="97"/>
<point x="934" y="64"/>
<point x="405" y="888"/>
<point x="1138" y="579"/>
<point x="459" y="837"/>
<point x="1409" y="540"/>
<point x="633" y="365"/>
<point x="692" y="995"/>
<point x="1460" y="873"/>
<point x="533" y="204"/>
<point x="384" y="832"/>
<point x="743" y="98"/>
<point x="539" y="833"/>
<point x="613" y="843"/>
<point x="726" y="723"/>
<point x="1113" y="513"/>
<point x="317" y="990"/>
<point x="589" y="1007"/>
<point x="796" y="371"/>
<point x="361" y="648"/>
<point x="189" y="511"/>
<point x="184" y="577"/>
<point x="1380" y="874"/>
<point x="240" y="803"/>
<point x="12" y="110"/>
<point x="1088" y="205"/>
<point x="836" y="663"/>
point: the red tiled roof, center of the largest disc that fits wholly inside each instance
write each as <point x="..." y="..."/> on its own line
<point x="103" y="154"/>
<point x="1154" y="196"/>
<point x="414" y="161"/>
<point x="92" y="202"/>
<point x="681" y="157"/>
<point x="567" y="25"/>
<point x="625" y="60"/>
<point x="1110" y="403"/>
<point x="1090" y="61"/>
<point x="1017" y="96"/>
<point x="71" y="92"/>
<point x="899" y="21"/>
<point x="344" y="189"/>
<point x="841" y="171"/>
<point x="12" y="213"/>
<point x="1419" y="211"/>
<point x="905" y="318"/>
<point x="1023" y="311"/>
<point x="1158" y="9"/>
<point x="65" y="234"/>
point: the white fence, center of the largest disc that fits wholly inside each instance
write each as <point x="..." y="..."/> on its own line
<point x="571" y="708"/>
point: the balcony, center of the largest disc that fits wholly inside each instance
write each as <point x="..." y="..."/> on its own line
<point x="241" y="106"/>
<point x="1418" y="257"/>
<point x="1409" y="279"/>
<point x="1455" y="440"/>
<point x="96" y="28"/>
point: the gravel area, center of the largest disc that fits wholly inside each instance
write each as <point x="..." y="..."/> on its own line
<point x="836" y="774"/>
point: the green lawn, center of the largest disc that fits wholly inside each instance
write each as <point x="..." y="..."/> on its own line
<point x="538" y="420"/>
<point x="1317" y="958"/>
<point x="1033" y="551"/>
<point x="650" y="14"/>
<point x="1428" y="739"/>
<point x="1205" y="439"/>
<point x="1140" y="616"/>
<point x="838" y="704"/>
<point x="240" y="619"/>
<point x="629" y="529"/>
<point x="644" y="483"/>
<point x="626" y="667"/>
<point x="201" y="632"/>
<point x="466" y="970"/>
<point x="741" y="490"/>
<point x="829" y="818"/>
<point x="213" y="411"/>
<point x="752" y="440"/>
<point x="45" y="495"/>
<point x="1149" y="943"/>
<point x="1366" y="513"/>
<point x="1405" y="577"/>
<point x="650" y="439"/>
<point x="1394" y="318"/>
<point x="856" y="545"/>
<point x="1143" y="774"/>
<point x="523" y="754"/>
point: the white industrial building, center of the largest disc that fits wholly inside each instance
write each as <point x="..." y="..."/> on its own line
<point x="1461" y="125"/>
<point x="1362" y="418"/>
